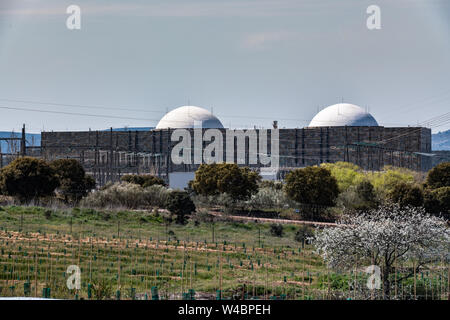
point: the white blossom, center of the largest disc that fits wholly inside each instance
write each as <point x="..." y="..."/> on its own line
<point x="383" y="236"/>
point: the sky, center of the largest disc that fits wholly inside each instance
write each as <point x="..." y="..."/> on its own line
<point x="248" y="61"/>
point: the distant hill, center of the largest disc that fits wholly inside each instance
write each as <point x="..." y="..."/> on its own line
<point x="441" y="141"/>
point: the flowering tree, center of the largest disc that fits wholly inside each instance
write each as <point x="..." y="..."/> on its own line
<point x="383" y="236"/>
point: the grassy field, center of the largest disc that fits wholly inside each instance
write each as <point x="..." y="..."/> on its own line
<point x="131" y="252"/>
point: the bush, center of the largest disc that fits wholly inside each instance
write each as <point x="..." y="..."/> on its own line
<point x="48" y="214"/>
<point x="437" y="201"/>
<point x="312" y="185"/>
<point x="28" y="178"/>
<point x="303" y="233"/>
<point x="268" y="198"/>
<point x="366" y="192"/>
<point x="180" y="204"/>
<point x="213" y="179"/>
<point x="439" y="176"/>
<point x="407" y="195"/>
<point x="203" y="216"/>
<point x="276" y="230"/>
<point x="221" y="200"/>
<point x="143" y="180"/>
<point x="102" y="289"/>
<point x="385" y="181"/>
<point x="74" y="184"/>
<point x="127" y="195"/>
<point x="275" y="185"/>
<point x="346" y="174"/>
<point x="357" y="198"/>
<point x="156" y="196"/>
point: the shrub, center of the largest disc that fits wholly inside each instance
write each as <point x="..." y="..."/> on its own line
<point x="303" y="233"/>
<point x="276" y="230"/>
<point x="127" y="195"/>
<point x="346" y="174"/>
<point x="28" y="178"/>
<point x="156" y="196"/>
<point x="268" y="198"/>
<point x="180" y="204"/>
<point x="356" y="199"/>
<point x="312" y="185"/>
<point x="102" y="289"/>
<point x="407" y="195"/>
<point x="439" y="176"/>
<point x="385" y="181"/>
<point x="73" y="181"/>
<point x="143" y="180"/>
<point x="48" y="214"/>
<point x="366" y="192"/>
<point x="275" y="185"/>
<point x="222" y="200"/>
<point x="203" y="216"/>
<point x="238" y="183"/>
<point x="437" y="201"/>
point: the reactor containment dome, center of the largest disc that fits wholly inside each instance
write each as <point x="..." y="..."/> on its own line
<point x="343" y="114"/>
<point x="189" y="117"/>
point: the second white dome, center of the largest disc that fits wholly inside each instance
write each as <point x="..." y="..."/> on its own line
<point x="343" y="114"/>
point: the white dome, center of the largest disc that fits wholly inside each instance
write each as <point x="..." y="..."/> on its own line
<point x="343" y="114"/>
<point x="189" y="117"/>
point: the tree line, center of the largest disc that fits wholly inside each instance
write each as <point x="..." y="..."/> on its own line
<point x="328" y="185"/>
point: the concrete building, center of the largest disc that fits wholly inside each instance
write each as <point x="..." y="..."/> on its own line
<point x="341" y="132"/>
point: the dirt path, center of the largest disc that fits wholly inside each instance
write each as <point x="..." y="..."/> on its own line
<point x="281" y="221"/>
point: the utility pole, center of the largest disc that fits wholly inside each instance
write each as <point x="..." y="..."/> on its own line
<point x="23" y="141"/>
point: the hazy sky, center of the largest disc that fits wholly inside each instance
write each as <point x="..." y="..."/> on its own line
<point x="250" y="61"/>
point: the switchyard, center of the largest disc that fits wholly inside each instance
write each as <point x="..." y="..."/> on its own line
<point x="342" y="132"/>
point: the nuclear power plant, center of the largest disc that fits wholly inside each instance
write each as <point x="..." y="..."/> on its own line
<point x="341" y="132"/>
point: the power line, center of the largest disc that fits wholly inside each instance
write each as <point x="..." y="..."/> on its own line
<point x="83" y="106"/>
<point x="290" y="119"/>
<point x="76" y="114"/>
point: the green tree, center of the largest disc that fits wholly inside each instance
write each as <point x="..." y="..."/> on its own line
<point x="181" y="205"/>
<point x="28" y="178"/>
<point x="437" y="201"/>
<point x="366" y="192"/>
<point x="213" y="179"/>
<point x="276" y="230"/>
<point x="312" y="185"/>
<point x="407" y="195"/>
<point x="346" y="174"/>
<point x="74" y="184"/>
<point x="439" y="176"/>
<point x="385" y="181"/>
<point x="143" y="180"/>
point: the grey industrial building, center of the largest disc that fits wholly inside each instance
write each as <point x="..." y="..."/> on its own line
<point x="342" y="132"/>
